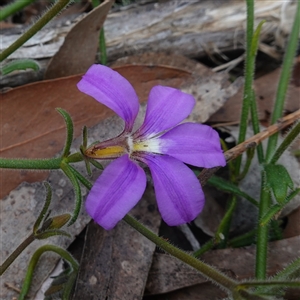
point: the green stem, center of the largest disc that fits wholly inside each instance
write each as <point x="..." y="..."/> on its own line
<point x="206" y="270"/>
<point x="207" y="246"/>
<point x="44" y="209"/>
<point x="249" y="72"/>
<point x="16" y="253"/>
<point x="12" y="8"/>
<point x="102" y="47"/>
<point x="284" y="145"/>
<point x="256" y="129"/>
<point x="227" y="186"/>
<point x="34" y="260"/>
<point x="262" y="235"/>
<point x="70" y="130"/>
<point x="249" y="156"/>
<point x="33" y="164"/>
<point x="224" y="227"/>
<point x="81" y="178"/>
<point x="284" y="79"/>
<point x="78" y="198"/>
<point x="273" y="283"/>
<point x="50" y="14"/>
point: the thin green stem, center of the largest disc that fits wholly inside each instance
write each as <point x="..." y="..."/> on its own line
<point x="81" y="178"/>
<point x="12" y="8"/>
<point x="33" y="164"/>
<point x="284" y="79"/>
<point x="227" y="186"/>
<point x="256" y="129"/>
<point x="206" y="270"/>
<point x="222" y="233"/>
<point x="249" y="156"/>
<point x="70" y="130"/>
<point x="102" y="47"/>
<point x="243" y="240"/>
<point x="34" y="260"/>
<point x="249" y="72"/>
<point x="16" y="253"/>
<point x="207" y="246"/>
<point x="262" y="235"/>
<point x="273" y="283"/>
<point x="78" y="198"/>
<point x="286" y="143"/>
<point x="50" y="14"/>
<point x="44" y="209"/>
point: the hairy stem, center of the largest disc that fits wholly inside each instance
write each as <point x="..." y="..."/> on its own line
<point x="33" y="164"/>
<point x="50" y="14"/>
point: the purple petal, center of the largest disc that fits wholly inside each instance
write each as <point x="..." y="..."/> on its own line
<point x="113" y="90"/>
<point x="195" y="144"/>
<point x="166" y="108"/>
<point x="178" y="192"/>
<point x="116" y="192"/>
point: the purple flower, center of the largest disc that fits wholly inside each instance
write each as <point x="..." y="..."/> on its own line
<point x="160" y="143"/>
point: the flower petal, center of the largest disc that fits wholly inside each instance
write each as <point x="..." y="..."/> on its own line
<point x="116" y="192"/>
<point x="166" y="108"/>
<point x="195" y="144"/>
<point x="113" y="90"/>
<point x="178" y="192"/>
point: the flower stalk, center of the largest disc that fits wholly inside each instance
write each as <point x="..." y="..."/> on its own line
<point x="206" y="270"/>
<point x="49" y="15"/>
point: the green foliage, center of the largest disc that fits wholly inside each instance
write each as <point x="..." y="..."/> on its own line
<point x="277" y="181"/>
<point x="20" y="64"/>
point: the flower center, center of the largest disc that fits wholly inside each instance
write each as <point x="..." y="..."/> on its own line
<point x="151" y="145"/>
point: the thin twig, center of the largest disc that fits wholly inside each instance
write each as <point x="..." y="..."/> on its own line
<point x="251" y="142"/>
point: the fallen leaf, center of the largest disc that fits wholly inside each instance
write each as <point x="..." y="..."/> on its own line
<point x="169" y="274"/>
<point x="115" y="263"/>
<point x="265" y="89"/>
<point x="203" y="291"/>
<point x="71" y="59"/>
<point x="31" y="128"/>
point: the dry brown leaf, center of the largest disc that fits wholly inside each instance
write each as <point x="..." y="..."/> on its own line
<point x="169" y="274"/>
<point x="265" y="88"/>
<point x="31" y="128"/>
<point x="116" y="263"/>
<point x="71" y="59"/>
<point x="203" y="291"/>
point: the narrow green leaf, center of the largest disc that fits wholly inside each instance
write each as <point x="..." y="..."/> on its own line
<point x="294" y="132"/>
<point x="13" y="8"/>
<point x="34" y="260"/>
<point x="275" y="209"/>
<point x="282" y="87"/>
<point x="278" y="180"/>
<point x="81" y="178"/>
<point x="250" y="154"/>
<point x="78" y="198"/>
<point x="45" y="208"/>
<point x="293" y="194"/>
<point x="84" y="137"/>
<point x="227" y="186"/>
<point x="96" y="164"/>
<point x="70" y="130"/>
<point x="20" y="64"/>
<point x="255" y="39"/>
<point x="49" y="233"/>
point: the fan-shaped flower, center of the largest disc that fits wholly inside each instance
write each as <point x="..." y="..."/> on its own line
<point x="160" y="143"/>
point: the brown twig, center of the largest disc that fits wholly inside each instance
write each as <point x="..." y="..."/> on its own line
<point x="250" y="143"/>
